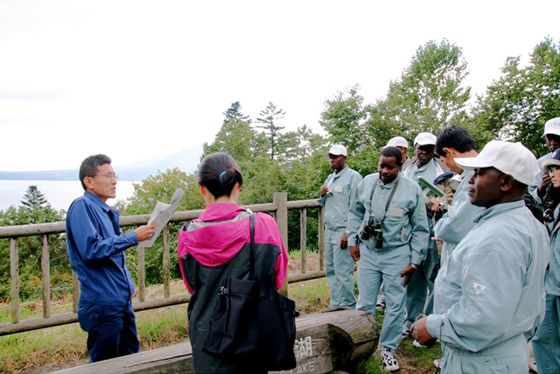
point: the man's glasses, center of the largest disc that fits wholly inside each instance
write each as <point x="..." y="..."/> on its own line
<point x="109" y="176"/>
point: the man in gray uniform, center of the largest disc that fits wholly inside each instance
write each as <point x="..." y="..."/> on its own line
<point x="419" y="298"/>
<point x="335" y="199"/>
<point x="489" y="299"/>
<point x="387" y="233"/>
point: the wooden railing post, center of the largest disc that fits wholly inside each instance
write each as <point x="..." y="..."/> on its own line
<point x="321" y="231"/>
<point x="14" y="274"/>
<point x="141" y="275"/>
<point x="280" y="199"/>
<point x="46" y="275"/>
<point x="166" y="274"/>
<point x="303" y="239"/>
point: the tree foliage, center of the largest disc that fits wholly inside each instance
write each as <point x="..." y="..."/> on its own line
<point x="236" y="137"/>
<point x="344" y="119"/>
<point x="269" y="118"/>
<point x="428" y="96"/>
<point x="34" y="208"/>
<point x="516" y="105"/>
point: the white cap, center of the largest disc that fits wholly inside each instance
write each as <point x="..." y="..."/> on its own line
<point x="425" y="138"/>
<point x="397" y="141"/>
<point x="553" y="160"/>
<point x="552" y="126"/>
<point x="509" y="158"/>
<point x="338" y="149"/>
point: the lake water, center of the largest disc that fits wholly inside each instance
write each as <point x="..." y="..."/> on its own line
<point x="59" y="194"/>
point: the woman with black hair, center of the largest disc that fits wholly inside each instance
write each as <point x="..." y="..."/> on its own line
<point x="211" y="249"/>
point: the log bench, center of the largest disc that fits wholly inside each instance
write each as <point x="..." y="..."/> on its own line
<point x="325" y="342"/>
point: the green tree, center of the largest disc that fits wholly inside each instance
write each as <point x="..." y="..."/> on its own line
<point x="34" y="209"/>
<point x="160" y="187"/>
<point x="35" y="204"/>
<point x="429" y="95"/>
<point x="269" y="119"/>
<point x="516" y="105"/>
<point x="234" y="114"/>
<point x="344" y="119"/>
<point x="236" y="137"/>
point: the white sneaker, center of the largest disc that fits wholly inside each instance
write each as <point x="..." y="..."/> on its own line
<point x="438" y="363"/>
<point x="389" y="361"/>
<point x="406" y="330"/>
<point x="418" y="345"/>
<point x="380" y="304"/>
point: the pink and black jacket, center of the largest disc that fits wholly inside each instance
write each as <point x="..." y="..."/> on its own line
<point x="214" y="247"/>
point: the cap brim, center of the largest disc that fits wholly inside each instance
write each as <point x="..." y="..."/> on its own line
<point x="550" y="162"/>
<point x="472" y="162"/>
<point x="553" y="132"/>
<point x="425" y="143"/>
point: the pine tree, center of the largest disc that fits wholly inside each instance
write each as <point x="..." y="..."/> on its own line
<point x="269" y="117"/>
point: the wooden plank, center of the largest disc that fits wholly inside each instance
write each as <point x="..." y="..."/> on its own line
<point x="303" y="239"/>
<point x="325" y="342"/>
<point x="46" y="276"/>
<point x="65" y="318"/>
<point x="166" y="262"/>
<point x="14" y="275"/>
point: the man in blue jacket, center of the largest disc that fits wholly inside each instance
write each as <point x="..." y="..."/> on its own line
<point x="489" y="299"/>
<point x="96" y="252"/>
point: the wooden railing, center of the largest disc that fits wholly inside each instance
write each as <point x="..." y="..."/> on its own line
<point x="278" y="208"/>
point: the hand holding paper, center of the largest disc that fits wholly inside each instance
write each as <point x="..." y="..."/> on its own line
<point x="161" y="215"/>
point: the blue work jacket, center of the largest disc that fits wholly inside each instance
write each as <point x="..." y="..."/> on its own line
<point x="96" y="251"/>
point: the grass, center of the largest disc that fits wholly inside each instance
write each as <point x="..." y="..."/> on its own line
<point x="62" y="346"/>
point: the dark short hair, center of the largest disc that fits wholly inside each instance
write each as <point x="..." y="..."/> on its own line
<point x="392" y="152"/>
<point x="219" y="172"/>
<point x="457" y="138"/>
<point x="89" y="166"/>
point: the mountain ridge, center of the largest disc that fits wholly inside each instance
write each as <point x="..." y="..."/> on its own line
<point x="186" y="160"/>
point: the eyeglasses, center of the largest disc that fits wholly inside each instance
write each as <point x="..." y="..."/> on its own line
<point x="109" y="176"/>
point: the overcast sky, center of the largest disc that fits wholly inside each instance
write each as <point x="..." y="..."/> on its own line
<point x="144" y="79"/>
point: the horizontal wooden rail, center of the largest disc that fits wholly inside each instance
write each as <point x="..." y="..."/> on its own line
<point x="69" y="317"/>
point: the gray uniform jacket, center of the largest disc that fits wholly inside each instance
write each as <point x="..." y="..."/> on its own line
<point x="405" y="223"/>
<point x="337" y="200"/>
<point x="492" y="289"/>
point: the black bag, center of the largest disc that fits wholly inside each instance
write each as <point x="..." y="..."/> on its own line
<point x="252" y="321"/>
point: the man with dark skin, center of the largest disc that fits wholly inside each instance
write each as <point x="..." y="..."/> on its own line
<point x="335" y="199"/>
<point x="552" y="136"/>
<point x="488" y="299"/>
<point x="387" y="231"/>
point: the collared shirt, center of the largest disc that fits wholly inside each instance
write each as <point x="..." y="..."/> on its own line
<point x="458" y="220"/>
<point x="337" y="200"/>
<point x="95" y="249"/>
<point x="552" y="280"/>
<point x="493" y="286"/>
<point x="429" y="171"/>
<point x="405" y="222"/>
